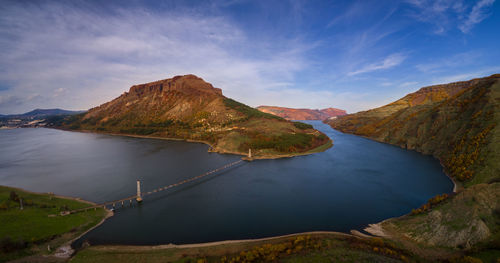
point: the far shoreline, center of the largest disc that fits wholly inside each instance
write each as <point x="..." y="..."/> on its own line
<point x="456" y="185"/>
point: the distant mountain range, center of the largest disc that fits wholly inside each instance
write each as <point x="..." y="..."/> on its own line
<point x="187" y="107"/>
<point x="302" y="114"/>
<point x="458" y="123"/>
<point x="38" y="113"/>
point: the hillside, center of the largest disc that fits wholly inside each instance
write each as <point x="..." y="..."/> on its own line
<point x="34" y="118"/>
<point x="49" y="112"/>
<point x="458" y="124"/>
<point x="41" y="113"/>
<point x="302" y="114"/>
<point x="187" y="107"/>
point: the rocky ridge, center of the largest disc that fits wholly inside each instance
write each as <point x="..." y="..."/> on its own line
<point x="302" y="114"/>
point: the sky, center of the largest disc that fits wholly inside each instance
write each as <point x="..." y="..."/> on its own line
<point x="353" y="55"/>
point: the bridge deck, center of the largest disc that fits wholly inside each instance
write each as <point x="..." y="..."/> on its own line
<point x="158" y="189"/>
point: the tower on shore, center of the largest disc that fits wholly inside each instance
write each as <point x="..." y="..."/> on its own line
<point x="138" y="198"/>
<point x="249" y="153"/>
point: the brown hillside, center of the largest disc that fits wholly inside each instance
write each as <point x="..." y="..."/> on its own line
<point x="187" y="107"/>
<point x="458" y="124"/>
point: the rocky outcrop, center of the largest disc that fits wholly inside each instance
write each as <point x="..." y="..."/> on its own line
<point x="467" y="219"/>
<point x="302" y="114"/>
<point x="187" y="107"/>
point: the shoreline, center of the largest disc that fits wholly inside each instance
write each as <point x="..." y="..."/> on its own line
<point x="456" y="185"/>
<point x="376" y="229"/>
<point x="328" y="144"/>
<point x="65" y="250"/>
<point x="225" y="242"/>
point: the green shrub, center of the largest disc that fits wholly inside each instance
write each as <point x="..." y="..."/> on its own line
<point x="13" y="196"/>
<point x="282" y="143"/>
<point x="302" y="126"/>
<point x="248" y="111"/>
<point x="7" y="244"/>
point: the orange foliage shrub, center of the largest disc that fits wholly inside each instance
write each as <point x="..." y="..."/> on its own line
<point x="431" y="203"/>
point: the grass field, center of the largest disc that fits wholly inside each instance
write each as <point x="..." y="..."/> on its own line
<point x="39" y="224"/>
<point x="316" y="247"/>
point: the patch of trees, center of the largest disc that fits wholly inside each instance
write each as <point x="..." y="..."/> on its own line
<point x="466" y="153"/>
<point x="14" y="202"/>
<point x="305" y="245"/>
<point x="248" y="111"/>
<point x="160" y="124"/>
<point x="139" y="130"/>
<point x="168" y="126"/>
<point x="430" y="204"/>
<point x="7" y="244"/>
<point x="302" y="126"/>
<point x="285" y="143"/>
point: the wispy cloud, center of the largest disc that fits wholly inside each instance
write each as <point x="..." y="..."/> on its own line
<point x="447" y="14"/>
<point x="456" y="61"/>
<point x="389" y="62"/>
<point x="408" y="84"/>
<point x="355" y="10"/>
<point x="57" y="50"/>
<point x="479" y="13"/>
<point x="467" y="75"/>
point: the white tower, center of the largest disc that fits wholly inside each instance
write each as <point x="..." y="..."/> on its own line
<point x="139" y="198"/>
<point x="249" y="153"/>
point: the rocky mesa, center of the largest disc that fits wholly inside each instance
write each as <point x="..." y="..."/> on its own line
<point x="302" y="114"/>
<point x="187" y="107"/>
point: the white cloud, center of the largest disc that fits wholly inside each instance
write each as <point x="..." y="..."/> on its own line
<point x="452" y="62"/>
<point x="408" y="84"/>
<point x="467" y="75"/>
<point x="478" y="14"/>
<point x="71" y="58"/>
<point x="447" y="14"/>
<point x="389" y="62"/>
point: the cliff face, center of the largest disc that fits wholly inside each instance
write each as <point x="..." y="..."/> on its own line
<point x="187" y="107"/>
<point x="302" y="114"/>
<point x="458" y="124"/>
<point x="176" y="99"/>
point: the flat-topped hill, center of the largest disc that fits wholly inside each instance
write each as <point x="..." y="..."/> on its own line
<point x="187" y="107"/>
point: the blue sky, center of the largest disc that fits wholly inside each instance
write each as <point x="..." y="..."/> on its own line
<point x="353" y="55"/>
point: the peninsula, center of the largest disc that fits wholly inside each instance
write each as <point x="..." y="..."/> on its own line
<point x="188" y="108"/>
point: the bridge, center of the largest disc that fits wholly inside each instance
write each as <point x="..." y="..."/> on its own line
<point x="138" y="196"/>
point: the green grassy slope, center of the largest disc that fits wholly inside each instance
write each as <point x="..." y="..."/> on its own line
<point x="462" y="130"/>
<point x="29" y="231"/>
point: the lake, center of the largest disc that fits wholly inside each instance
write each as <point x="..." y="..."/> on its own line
<point x="356" y="182"/>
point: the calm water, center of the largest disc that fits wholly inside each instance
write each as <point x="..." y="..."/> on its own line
<point x="354" y="183"/>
